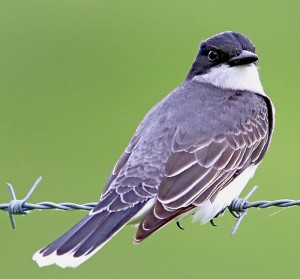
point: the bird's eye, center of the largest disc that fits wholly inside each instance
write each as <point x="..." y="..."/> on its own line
<point x="212" y="56"/>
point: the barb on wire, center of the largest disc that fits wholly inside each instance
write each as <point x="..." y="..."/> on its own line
<point x="238" y="207"/>
<point x="16" y="206"/>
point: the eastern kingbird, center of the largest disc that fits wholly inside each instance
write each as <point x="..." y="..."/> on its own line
<point x="192" y="154"/>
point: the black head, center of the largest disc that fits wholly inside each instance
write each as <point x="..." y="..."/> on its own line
<point x="225" y="48"/>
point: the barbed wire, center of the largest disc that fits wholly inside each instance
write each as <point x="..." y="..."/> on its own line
<point x="238" y="208"/>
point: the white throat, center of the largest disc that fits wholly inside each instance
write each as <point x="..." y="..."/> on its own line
<point x="244" y="77"/>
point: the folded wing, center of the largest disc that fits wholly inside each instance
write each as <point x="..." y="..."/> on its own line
<point x="200" y="167"/>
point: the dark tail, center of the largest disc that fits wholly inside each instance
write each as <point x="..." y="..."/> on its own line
<point x="85" y="238"/>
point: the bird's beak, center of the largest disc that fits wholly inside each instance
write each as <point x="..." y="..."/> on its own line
<point x="245" y="57"/>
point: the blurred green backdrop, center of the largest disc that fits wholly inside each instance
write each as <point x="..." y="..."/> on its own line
<point x="77" y="77"/>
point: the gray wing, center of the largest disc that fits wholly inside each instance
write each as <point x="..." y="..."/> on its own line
<point x="137" y="174"/>
<point x="200" y="166"/>
<point x="122" y="161"/>
<point x="124" y="188"/>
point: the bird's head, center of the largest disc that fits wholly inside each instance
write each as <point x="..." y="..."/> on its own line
<point x="224" y="61"/>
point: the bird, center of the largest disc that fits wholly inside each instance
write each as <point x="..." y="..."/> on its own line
<point x="192" y="154"/>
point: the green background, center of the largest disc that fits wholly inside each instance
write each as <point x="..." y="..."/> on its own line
<point x="77" y="77"/>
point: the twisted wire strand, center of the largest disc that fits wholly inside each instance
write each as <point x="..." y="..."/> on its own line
<point x="238" y="208"/>
<point x="235" y="205"/>
<point x="13" y="206"/>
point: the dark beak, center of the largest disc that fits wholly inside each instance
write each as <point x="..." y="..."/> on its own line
<point x="246" y="57"/>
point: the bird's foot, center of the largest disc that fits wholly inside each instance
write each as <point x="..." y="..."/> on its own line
<point x="217" y="215"/>
<point x="179" y="226"/>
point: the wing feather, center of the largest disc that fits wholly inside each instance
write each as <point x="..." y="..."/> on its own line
<point x="171" y="187"/>
<point x="209" y="155"/>
<point x="199" y="168"/>
<point x="194" y="192"/>
<point x="179" y="162"/>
